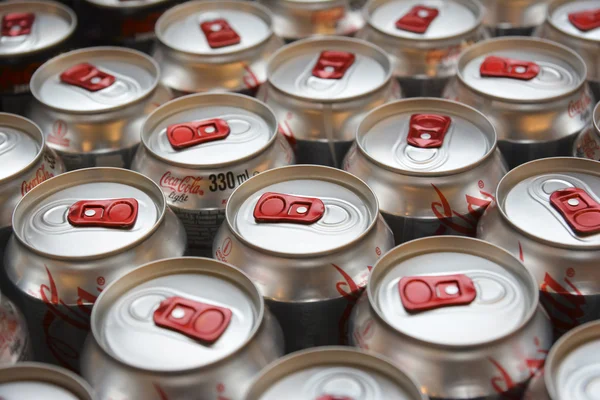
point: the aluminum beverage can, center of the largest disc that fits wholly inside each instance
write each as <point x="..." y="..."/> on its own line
<point x="533" y="91"/>
<point x="294" y="20"/>
<point x="71" y="238"/>
<point x="571" y="368"/>
<point x="576" y="24"/>
<point x="127" y="23"/>
<point x="29" y="381"/>
<point x="332" y="373"/>
<point x="200" y="147"/>
<point x="432" y="163"/>
<point x="31" y="32"/>
<point x="15" y="343"/>
<point x="514" y="17"/>
<point x="307" y="236"/>
<point x="546" y="215"/>
<point x="320" y="90"/>
<point x="91" y="103"/>
<point x="462" y="313"/>
<point x="424" y="41"/>
<point x="587" y="144"/>
<point x="179" y="329"/>
<point x="215" y="46"/>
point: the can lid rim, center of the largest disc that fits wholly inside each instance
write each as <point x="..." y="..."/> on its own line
<point x="47" y="3"/>
<point x="253" y="8"/>
<point x="112" y="50"/>
<point x="478" y="46"/>
<point x="205" y="98"/>
<point x="279" y="176"/>
<point x="20" y="123"/>
<point x="451" y="243"/>
<point x="121" y="6"/>
<point x="155" y="269"/>
<point x="550" y="21"/>
<point x="362" y="131"/>
<point x="101" y="174"/>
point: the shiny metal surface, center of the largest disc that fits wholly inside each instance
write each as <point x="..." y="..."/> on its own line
<point x="116" y="359"/>
<point x="319" y="116"/>
<point x="189" y="65"/>
<point x="428" y="191"/>
<point x="533" y="118"/>
<point x="587" y="144"/>
<point x="449" y="358"/>
<point x="299" y="19"/>
<point x="558" y="28"/>
<point x="509" y="17"/>
<point x="197" y="181"/>
<point x="339" y="372"/>
<point x="310" y="275"/>
<point x="15" y="343"/>
<point x="97" y="128"/>
<point x="32" y="381"/>
<point x="524" y="223"/>
<point x="59" y="275"/>
<point x="423" y="63"/>
<point x="536" y="390"/>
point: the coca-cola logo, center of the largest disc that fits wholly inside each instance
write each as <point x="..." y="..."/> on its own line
<point x="224" y="249"/>
<point x="59" y="132"/>
<point x="188" y="184"/>
<point x="351" y="291"/>
<point x="41" y="175"/>
<point x="285" y="129"/>
<point x="579" y="106"/>
<point x="250" y="79"/>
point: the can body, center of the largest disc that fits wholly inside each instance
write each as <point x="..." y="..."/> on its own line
<point x="514" y="18"/>
<point x="587" y="144"/>
<point x="536" y="390"/>
<point x="57" y="294"/>
<point x="15" y="343"/>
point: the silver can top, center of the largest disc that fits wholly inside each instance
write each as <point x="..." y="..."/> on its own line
<point x="426" y="136"/>
<point x="580" y="19"/>
<point x="196" y="311"/>
<point x="520" y="69"/>
<point x="209" y="130"/>
<point x="21" y="145"/>
<point x="34" y="381"/>
<point x="331" y="373"/>
<point x="96" y="79"/>
<point x="31" y="26"/>
<point x="126" y="5"/>
<point x="424" y="19"/>
<point x="302" y="210"/>
<point x="329" y="69"/>
<point x="437" y="289"/>
<point x="89" y="213"/>
<point x="554" y="200"/>
<point x="213" y="28"/>
<point x="572" y="368"/>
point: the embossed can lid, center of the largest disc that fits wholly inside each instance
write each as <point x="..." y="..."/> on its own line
<point x="580" y="19"/>
<point x="21" y="144"/>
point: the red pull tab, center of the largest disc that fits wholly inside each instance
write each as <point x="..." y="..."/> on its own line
<point x="586" y="20"/>
<point x="418" y="19"/>
<point x="193" y="319"/>
<point x="500" y="67"/>
<point x="88" y="77"/>
<point x="427" y="131"/>
<point x="219" y="33"/>
<point x="115" y="213"/>
<point x="334" y="397"/>
<point x="17" y="24"/>
<point x="422" y="293"/>
<point x="333" y="64"/>
<point x="581" y="212"/>
<point x="277" y="207"/>
<point x="190" y="134"/>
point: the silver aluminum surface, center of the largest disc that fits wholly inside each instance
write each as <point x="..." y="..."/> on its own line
<point x="339" y="372"/>
<point x="320" y="116"/>
<point x="299" y="19"/>
<point x="536" y="390"/>
<point x="587" y="144"/>
<point x="526" y="224"/>
<point x="510" y="17"/>
<point x="189" y="64"/>
<point x="533" y="118"/>
<point x="446" y="355"/>
<point x="424" y="62"/>
<point x="428" y="191"/>
<point x="33" y="381"/>
<point x="129" y="356"/>
<point x="96" y="128"/>
<point x="559" y="28"/>
<point x="310" y="275"/>
<point x="15" y="343"/>
<point x="58" y="269"/>
<point x="198" y="180"/>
